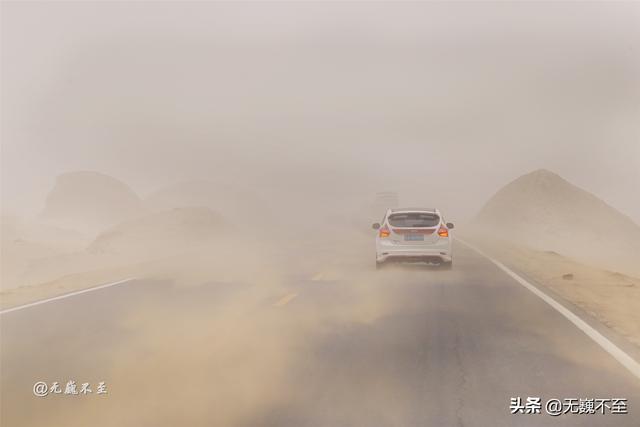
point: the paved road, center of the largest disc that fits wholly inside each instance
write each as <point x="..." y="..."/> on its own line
<point x="400" y="347"/>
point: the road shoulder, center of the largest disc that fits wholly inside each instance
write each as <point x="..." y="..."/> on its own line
<point x="609" y="302"/>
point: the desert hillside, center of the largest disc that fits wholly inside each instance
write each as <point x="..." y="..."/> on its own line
<point x="90" y="202"/>
<point x="33" y="259"/>
<point x="542" y="210"/>
<point x="161" y="233"/>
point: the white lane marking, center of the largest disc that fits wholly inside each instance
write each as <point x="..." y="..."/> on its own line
<point x="70" y="294"/>
<point x="625" y="360"/>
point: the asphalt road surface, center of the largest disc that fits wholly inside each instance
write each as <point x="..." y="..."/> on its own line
<point x="407" y="346"/>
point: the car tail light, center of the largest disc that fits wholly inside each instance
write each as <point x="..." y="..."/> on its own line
<point x="443" y="232"/>
<point x="384" y="232"/>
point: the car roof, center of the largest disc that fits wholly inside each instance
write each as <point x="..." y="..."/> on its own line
<point x="406" y="210"/>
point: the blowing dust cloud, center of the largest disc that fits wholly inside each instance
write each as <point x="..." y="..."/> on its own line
<point x="226" y="162"/>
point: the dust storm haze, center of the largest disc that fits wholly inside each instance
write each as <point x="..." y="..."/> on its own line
<point x="227" y="157"/>
<point x="322" y="102"/>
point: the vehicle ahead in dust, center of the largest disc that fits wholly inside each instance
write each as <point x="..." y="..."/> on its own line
<point x="414" y="235"/>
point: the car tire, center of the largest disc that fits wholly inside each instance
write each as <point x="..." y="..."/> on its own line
<point x="447" y="265"/>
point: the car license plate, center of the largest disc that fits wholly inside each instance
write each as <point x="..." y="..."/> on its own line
<point x="413" y="237"/>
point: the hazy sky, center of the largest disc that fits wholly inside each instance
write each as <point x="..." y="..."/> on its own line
<point x="443" y="102"/>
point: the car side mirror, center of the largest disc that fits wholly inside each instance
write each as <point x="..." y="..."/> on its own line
<point x="375" y="226"/>
<point x="450" y="225"/>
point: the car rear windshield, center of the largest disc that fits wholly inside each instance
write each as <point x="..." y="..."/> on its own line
<point x="414" y="219"/>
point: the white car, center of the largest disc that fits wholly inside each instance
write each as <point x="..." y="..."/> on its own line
<point x="414" y="235"/>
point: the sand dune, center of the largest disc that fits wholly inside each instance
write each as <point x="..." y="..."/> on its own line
<point x="543" y="211"/>
<point x="80" y="206"/>
<point x="90" y="202"/>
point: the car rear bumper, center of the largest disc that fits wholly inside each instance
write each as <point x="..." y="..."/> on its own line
<point x="414" y="254"/>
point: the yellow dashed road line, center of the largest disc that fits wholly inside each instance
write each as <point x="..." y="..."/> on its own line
<point x="285" y="300"/>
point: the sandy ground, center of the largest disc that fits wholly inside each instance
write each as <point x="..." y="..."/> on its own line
<point x="40" y="261"/>
<point x="231" y="257"/>
<point x="611" y="297"/>
<point x="188" y="266"/>
<point x="290" y="343"/>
